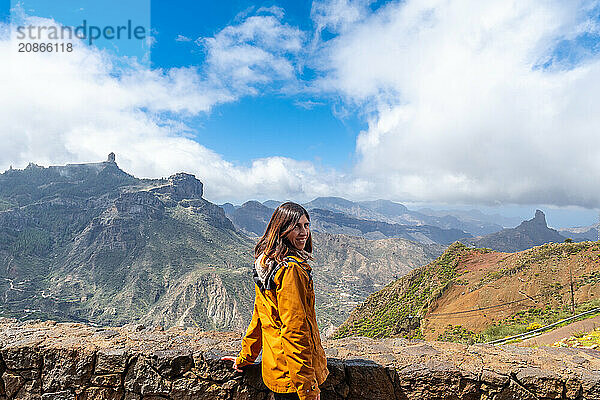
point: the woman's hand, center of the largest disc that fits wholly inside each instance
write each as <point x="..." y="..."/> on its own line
<point x="229" y="358"/>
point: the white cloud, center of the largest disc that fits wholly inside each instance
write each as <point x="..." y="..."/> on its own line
<point x="58" y="108"/>
<point x="260" y="50"/>
<point x="182" y="38"/>
<point x="459" y="110"/>
<point x="274" y="10"/>
<point x="338" y="15"/>
<point x="308" y="104"/>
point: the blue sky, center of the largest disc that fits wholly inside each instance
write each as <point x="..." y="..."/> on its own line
<point x="252" y="127"/>
<point x="491" y="104"/>
<point x="258" y="126"/>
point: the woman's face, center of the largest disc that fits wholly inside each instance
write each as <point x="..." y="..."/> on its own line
<point x="299" y="235"/>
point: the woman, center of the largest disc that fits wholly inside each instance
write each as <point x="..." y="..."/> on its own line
<point x="284" y="323"/>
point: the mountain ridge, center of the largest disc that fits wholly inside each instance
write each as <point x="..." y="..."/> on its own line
<point x="252" y="218"/>
<point x="529" y="233"/>
<point x="91" y="243"/>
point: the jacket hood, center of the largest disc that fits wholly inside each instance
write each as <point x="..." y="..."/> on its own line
<point x="265" y="270"/>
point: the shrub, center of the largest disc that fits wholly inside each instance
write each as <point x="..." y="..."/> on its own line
<point x="533" y="326"/>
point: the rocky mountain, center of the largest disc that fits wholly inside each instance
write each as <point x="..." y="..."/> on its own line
<point x="474" y="216"/>
<point x="91" y="243"/>
<point x="533" y="232"/>
<point x="252" y="217"/>
<point x="380" y="210"/>
<point x="334" y="222"/>
<point x="479" y="295"/>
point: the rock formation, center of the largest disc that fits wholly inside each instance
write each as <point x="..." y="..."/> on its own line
<point x="181" y="186"/>
<point x="530" y="233"/>
<point x="73" y="361"/>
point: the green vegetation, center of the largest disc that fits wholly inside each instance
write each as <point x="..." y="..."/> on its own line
<point x="592" y="278"/>
<point x="521" y="322"/>
<point x="587" y="340"/>
<point x="397" y="309"/>
<point x="535" y="318"/>
<point x="31" y="242"/>
<point x="459" y="334"/>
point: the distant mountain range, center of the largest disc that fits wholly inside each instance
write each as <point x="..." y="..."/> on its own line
<point x="476" y="217"/>
<point x="379" y="219"/>
<point x="475" y="223"/>
<point x="581" y="233"/>
<point x="252" y="217"/>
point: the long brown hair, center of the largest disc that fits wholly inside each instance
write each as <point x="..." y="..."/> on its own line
<point x="274" y="243"/>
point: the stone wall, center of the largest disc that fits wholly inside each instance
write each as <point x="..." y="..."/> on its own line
<point x="53" y="361"/>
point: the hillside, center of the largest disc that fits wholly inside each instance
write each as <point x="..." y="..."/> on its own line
<point x="533" y="232"/>
<point x="251" y="217"/>
<point x="479" y="295"/>
<point x="89" y="242"/>
<point x="347" y="269"/>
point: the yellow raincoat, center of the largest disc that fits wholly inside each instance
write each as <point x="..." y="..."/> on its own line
<point x="284" y="326"/>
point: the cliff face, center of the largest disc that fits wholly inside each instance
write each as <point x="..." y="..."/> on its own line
<point x="91" y="243"/>
<point x="73" y="361"/>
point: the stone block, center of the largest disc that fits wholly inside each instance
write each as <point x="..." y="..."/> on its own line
<point x="66" y="369"/>
<point x="143" y="379"/>
<point x="368" y="380"/>
<point x="101" y="393"/>
<point x="111" y="361"/>
<point x="110" y="380"/>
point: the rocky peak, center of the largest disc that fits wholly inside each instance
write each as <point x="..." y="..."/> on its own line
<point x="33" y="165"/>
<point x="540" y="218"/>
<point x="529" y="233"/>
<point x="538" y="221"/>
<point x="181" y="186"/>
